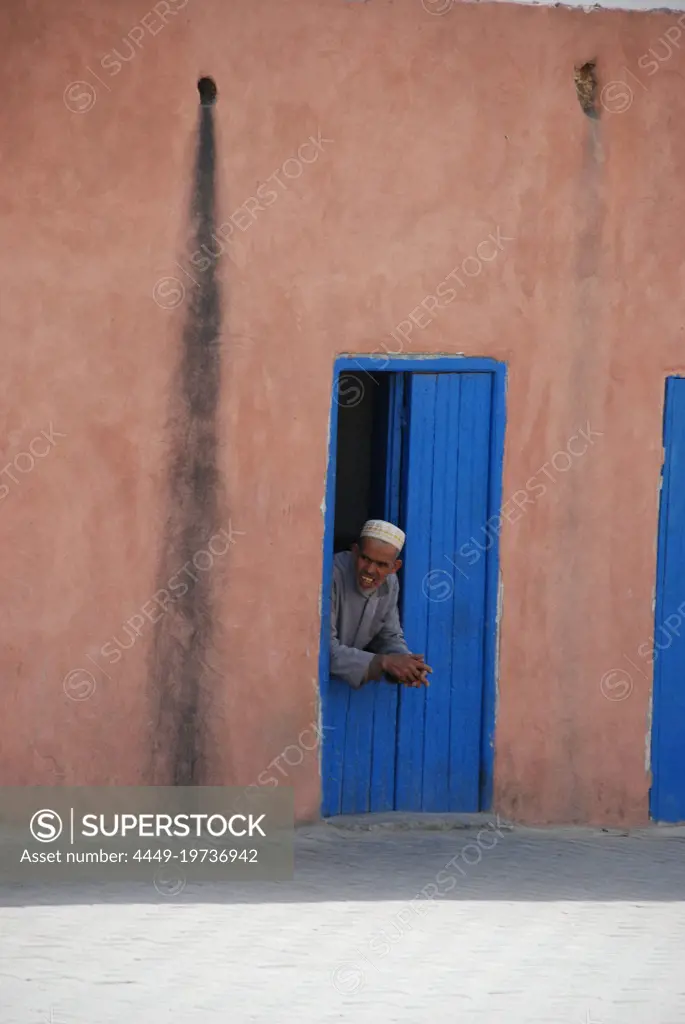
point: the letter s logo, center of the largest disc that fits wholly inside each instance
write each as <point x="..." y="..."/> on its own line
<point x="46" y="826"/>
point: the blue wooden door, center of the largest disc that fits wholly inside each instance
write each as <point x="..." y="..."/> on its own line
<point x="668" y="720"/>
<point x="393" y="748"/>
<point x="358" y="764"/>
<point x="440" y="729"/>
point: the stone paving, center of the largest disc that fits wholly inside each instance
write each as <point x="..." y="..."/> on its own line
<point x="510" y="925"/>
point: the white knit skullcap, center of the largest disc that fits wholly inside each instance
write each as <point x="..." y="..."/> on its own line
<point x="378" y="529"/>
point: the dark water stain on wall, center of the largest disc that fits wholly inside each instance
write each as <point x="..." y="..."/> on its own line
<point x="179" y="676"/>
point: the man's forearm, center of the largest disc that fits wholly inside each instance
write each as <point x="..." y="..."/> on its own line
<point x="389" y="643"/>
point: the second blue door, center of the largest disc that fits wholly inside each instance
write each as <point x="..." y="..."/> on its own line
<point x="668" y="644"/>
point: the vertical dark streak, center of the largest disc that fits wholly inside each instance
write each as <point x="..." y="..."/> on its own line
<point x="183" y="634"/>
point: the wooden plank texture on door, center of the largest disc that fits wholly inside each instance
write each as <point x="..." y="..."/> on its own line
<point x="447" y="493"/>
<point x="361" y="727"/>
<point x="394" y="748"/>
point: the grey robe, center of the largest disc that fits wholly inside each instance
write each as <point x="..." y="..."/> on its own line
<point x="362" y="626"/>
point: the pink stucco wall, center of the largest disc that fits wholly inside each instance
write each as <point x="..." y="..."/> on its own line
<point x="440" y="131"/>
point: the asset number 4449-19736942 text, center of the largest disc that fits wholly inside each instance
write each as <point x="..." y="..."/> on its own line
<point x="193" y="855"/>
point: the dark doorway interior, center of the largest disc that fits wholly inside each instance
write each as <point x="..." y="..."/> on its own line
<point x="362" y="454"/>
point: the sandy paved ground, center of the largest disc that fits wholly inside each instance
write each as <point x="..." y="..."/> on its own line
<point x="575" y="926"/>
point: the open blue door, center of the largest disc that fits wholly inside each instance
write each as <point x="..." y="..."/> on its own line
<point x="668" y="728"/>
<point x="392" y="748"/>
<point x="447" y="484"/>
<point x="360" y="728"/>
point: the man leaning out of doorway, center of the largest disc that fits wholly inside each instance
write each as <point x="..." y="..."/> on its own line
<point x="367" y="642"/>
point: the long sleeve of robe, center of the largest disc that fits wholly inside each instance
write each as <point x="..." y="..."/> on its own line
<point x="362" y="626"/>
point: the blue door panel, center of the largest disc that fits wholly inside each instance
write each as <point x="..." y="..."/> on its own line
<point x="384" y="739"/>
<point x="356" y="791"/>
<point x="437" y="592"/>
<point x="668" y="729"/>
<point x="439" y="736"/>
<point x="395" y="748"/>
<point x="470" y="588"/>
<point x="335" y="700"/>
<point x="418" y="485"/>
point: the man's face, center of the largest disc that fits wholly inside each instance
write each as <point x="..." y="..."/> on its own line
<point x="374" y="560"/>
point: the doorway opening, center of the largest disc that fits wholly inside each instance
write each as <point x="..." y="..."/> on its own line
<point x="358" y="404"/>
<point x="366" y="457"/>
<point x="419" y="444"/>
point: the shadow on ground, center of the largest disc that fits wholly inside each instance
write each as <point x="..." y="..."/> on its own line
<point x="489" y="863"/>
